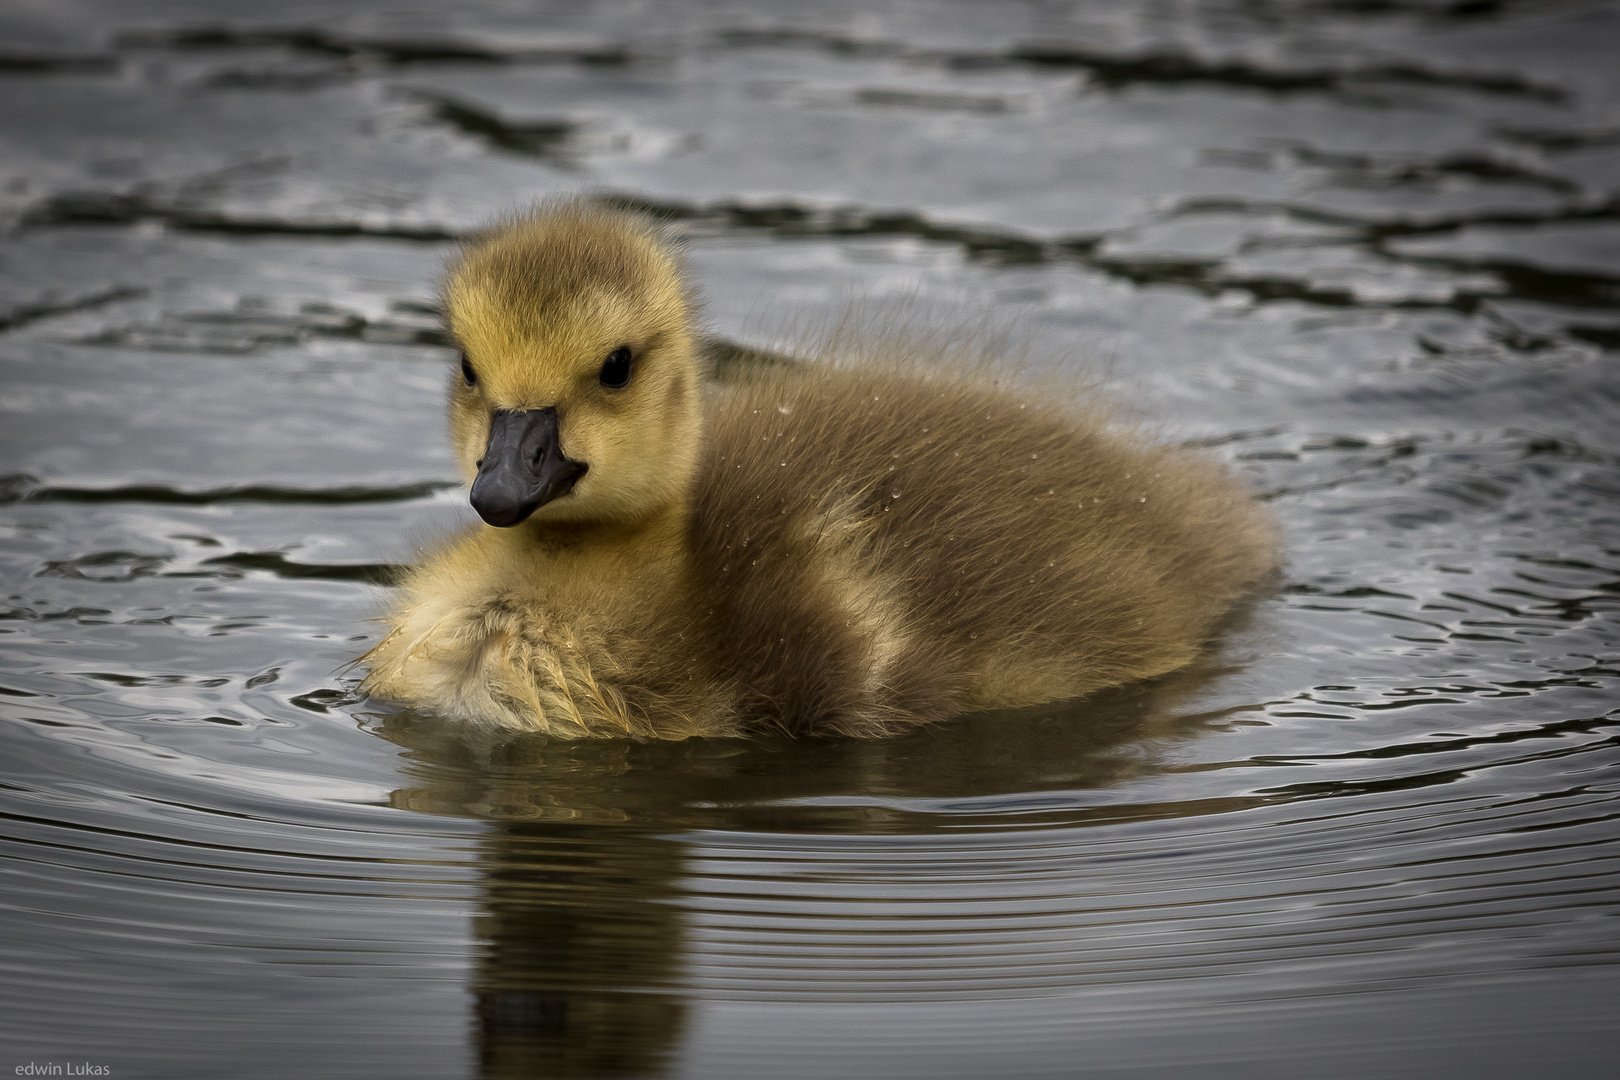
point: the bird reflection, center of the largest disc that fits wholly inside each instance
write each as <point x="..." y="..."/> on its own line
<point x="580" y="952"/>
<point x="582" y="963"/>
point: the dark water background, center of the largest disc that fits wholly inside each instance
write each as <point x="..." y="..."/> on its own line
<point x="1368" y="250"/>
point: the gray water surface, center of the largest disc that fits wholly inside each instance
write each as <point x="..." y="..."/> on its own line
<point x="1369" y="253"/>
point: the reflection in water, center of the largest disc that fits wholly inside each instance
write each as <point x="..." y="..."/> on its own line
<point x="581" y="929"/>
<point x="579" y="951"/>
<point x="579" y="943"/>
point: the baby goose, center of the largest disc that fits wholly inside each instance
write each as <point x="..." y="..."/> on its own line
<point x="832" y="550"/>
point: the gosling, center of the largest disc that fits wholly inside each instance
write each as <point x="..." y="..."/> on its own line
<point x="818" y="549"/>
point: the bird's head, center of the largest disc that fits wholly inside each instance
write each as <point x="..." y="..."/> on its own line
<point x="576" y="399"/>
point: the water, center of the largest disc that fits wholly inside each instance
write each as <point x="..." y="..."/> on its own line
<point x="1367" y="252"/>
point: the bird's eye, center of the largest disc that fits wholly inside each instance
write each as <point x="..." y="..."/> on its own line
<point x="467" y="373"/>
<point x="616" y="368"/>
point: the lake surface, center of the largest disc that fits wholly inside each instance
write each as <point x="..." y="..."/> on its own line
<point x="1368" y="252"/>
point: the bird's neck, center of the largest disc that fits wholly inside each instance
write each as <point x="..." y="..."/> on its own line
<point x="561" y="537"/>
<point x="641" y="553"/>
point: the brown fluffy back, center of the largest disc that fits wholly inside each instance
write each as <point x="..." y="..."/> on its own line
<point x="1006" y="550"/>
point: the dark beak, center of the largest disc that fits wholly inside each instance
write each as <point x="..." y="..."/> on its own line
<point x="523" y="467"/>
